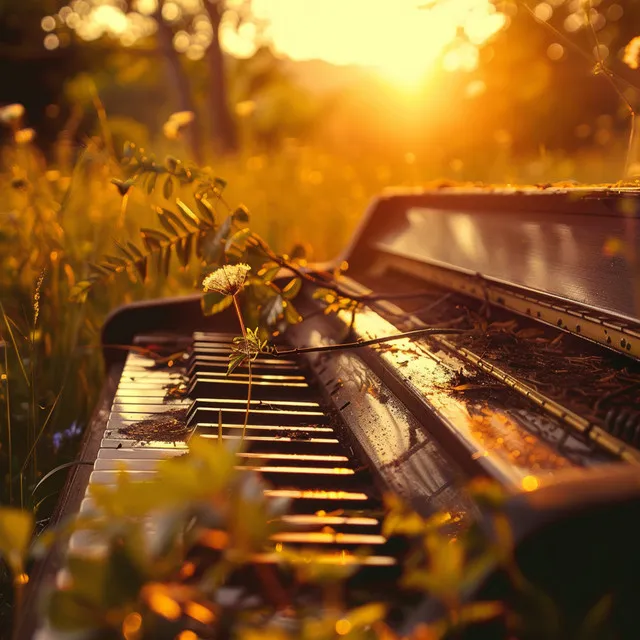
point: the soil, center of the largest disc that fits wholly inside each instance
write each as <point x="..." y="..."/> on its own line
<point x="169" y="426"/>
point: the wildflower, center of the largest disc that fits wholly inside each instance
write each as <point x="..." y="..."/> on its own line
<point x="24" y="136"/>
<point x="61" y="436"/>
<point x="227" y="280"/>
<point x="632" y="53"/>
<point x="11" y="113"/>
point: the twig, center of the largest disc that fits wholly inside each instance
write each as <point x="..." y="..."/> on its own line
<point x="609" y="75"/>
<point x="429" y="331"/>
<point x="320" y="282"/>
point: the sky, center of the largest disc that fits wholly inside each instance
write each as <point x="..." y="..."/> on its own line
<point x="400" y="38"/>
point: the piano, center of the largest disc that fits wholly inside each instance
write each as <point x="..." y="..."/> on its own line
<point x="539" y="393"/>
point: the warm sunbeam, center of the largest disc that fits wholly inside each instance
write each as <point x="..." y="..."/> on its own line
<point x="402" y="39"/>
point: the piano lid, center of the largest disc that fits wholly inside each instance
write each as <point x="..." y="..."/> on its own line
<point x="577" y="244"/>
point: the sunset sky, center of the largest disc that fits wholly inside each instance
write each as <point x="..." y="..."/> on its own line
<point x="396" y="37"/>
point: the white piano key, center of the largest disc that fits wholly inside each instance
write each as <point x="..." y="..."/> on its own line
<point x="129" y="464"/>
<point x="139" y="453"/>
<point x="115" y="442"/>
<point x="111" y="477"/>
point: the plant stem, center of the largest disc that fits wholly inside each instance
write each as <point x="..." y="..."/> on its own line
<point x="320" y="282"/>
<point x="9" y="439"/>
<point x="430" y="331"/>
<point x="244" y="335"/>
<point x="239" y="314"/>
<point x="246" y="414"/>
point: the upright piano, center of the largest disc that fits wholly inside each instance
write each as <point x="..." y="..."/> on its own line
<point x="539" y="393"/>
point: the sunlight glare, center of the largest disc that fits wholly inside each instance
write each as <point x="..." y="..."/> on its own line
<point x="395" y="37"/>
<point x="398" y="38"/>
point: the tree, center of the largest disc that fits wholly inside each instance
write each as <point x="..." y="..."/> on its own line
<point x="175" y="27"/>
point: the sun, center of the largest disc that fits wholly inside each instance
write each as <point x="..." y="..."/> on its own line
<point x="402" y="39"/>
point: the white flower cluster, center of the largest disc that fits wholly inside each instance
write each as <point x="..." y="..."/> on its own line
<point x="227" y="280"/>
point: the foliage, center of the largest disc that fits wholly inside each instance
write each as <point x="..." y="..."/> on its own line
<point x="164" y="549"/>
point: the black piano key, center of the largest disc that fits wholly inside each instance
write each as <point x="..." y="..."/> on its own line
<point x="207" y="410"/>
<point x="264" y="389"/>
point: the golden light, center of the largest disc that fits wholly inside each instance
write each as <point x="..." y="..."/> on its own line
<point x="403" y="40"/>
<point x="131" y="626"/>
<point x="395" y="37"/>
<point x="530" y="483"/>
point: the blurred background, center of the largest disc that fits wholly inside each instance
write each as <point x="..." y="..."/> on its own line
<point x="331" y="99"/>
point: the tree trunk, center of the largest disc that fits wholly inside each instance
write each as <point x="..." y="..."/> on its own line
<point x="179" y="84"/>
<point x="224" y="131"/>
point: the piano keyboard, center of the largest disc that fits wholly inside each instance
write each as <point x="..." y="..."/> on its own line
<point x="290" y="440"/>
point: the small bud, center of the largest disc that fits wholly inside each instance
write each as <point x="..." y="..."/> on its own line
<point x="122" y="186"/>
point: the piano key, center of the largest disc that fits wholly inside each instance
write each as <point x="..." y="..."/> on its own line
<point x="139" y="453"/>
<point x="116" y="462"/>
<point x="202" y="362"/>
<point x="336" y="558"/>
<point x="260" y="389"/>
<point x="235" y="414"/>
<point x="335" y="538"/>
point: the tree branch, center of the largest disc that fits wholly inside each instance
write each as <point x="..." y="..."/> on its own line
<point x="429" y="331"/>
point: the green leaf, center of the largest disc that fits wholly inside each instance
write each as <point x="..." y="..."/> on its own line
<point x="116" y="261"/>
<point x="167" y="187"/>
<point x="183" y="250"/>
<point x="292" y="289"/>
<point x="235" y="360"/>
<point x="236" y="245"/>
<point x="80" y="291"/>
<point x="141" y="267"/>
<point x="175" y="220"/>
<point x="151" y="182"/>
<point x="164" y="221"/>
<point x="291" y="314"/>
<point x="125" y="251"/>
<point x="189" y="216"/>
<point x="151" y="244"/>
<point x="207" y="213"/>
<point x="213" y="302"/>
<point x="15" y="534"/>
<point x="154" y="233"/>
<point x="102" y="269"/>
<point x="268" y="272"/>
<point x="166" y="261"/>
<point x="134" y="250"/>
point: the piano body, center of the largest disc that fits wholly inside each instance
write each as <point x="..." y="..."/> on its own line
<point x="540" y="394"/>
